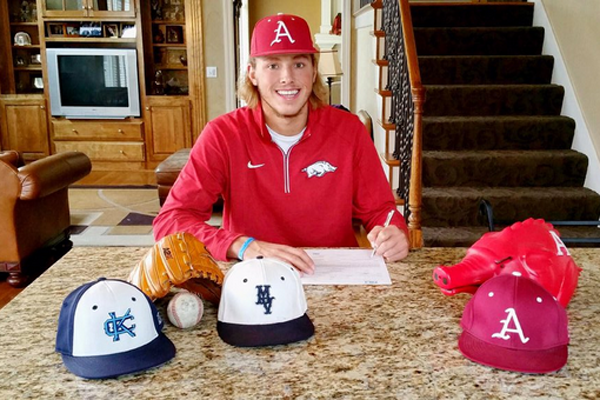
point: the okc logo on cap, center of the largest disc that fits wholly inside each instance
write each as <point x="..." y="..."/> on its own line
<point x="263" y="304"/>
<point x="281" y="34"/>
<point x="108" y="328"/>
<point x="115" y="326"/>
<point x="513" y="323"/>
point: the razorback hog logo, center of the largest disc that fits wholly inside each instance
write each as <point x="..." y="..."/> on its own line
<point x="532" y="248"/>
<point x="319" y="169"/>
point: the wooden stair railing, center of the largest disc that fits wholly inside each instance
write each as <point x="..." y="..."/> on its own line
<point x="408" y="97"/>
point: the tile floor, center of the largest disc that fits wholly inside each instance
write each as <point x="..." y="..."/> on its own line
<point x="114" y="217"/>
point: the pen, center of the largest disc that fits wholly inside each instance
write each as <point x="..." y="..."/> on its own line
<point x="385" y="225"/>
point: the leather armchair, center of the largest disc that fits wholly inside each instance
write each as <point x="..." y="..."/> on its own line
<point x="34" y="211"/>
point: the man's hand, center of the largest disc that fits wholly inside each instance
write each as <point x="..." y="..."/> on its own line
<point x="291" y="255"/>
<point x="389" y="242"/>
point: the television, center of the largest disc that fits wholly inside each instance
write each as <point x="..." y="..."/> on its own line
<point x="93" y="83"/>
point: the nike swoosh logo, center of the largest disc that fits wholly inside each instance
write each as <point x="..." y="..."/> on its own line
<point x="252" y="166"/>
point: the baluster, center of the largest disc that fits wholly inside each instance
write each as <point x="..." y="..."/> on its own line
<point x="402" y="107"/>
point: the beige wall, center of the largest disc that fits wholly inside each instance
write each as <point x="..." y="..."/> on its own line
<point x="214" y="47"/>
<point x="310" y="10"/>
<point x="576" y="25"/>
<point x="214" y="21"/>
<point x="364" y="79"/>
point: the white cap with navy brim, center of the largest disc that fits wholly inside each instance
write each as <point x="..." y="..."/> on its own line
<point x="263" y="304"/>
<point x="109" y="328"/>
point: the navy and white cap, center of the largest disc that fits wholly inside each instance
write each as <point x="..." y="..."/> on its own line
<point x="108" y="328"/>
<point x="263" y="304"/>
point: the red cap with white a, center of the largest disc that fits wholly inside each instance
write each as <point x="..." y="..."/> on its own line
<point x="513" y="323"/>
<point x="281" y="34"/>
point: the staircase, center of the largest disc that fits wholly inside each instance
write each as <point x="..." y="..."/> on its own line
<point x="492" y="128"/>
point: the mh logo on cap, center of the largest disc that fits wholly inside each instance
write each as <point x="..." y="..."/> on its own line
<point x="264" y="298"/>
<point x="246" y="315"/>
<point x="282" y="31"/>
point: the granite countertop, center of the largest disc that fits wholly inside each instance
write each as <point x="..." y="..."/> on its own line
<point x="396" y="341"/>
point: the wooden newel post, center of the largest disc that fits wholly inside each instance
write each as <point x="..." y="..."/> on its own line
<point x="415" y="193"/>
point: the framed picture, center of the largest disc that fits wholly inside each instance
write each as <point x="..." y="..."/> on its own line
<point x="174" y="34"/>
<point x="20" y="61"/>
<point x="111" y="30"/>
<point x="175" y="57"/>
<point x="90" y="29"/>
<point x="37" y="83"/>
<point x="55" y="29"/>
<point x="128" y="30"/>
<point x="72" y="29"/>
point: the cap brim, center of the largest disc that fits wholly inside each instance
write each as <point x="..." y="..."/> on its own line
<point x="155" y="353"/>
<point x="288" y="51"/>
<point x="531" y="362"/>
<point x="266" y="335"/>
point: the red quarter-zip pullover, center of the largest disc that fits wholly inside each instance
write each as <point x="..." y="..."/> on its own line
<point x="305" y="198"/>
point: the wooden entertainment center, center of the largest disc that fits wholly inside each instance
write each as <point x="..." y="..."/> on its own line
<point x="167" y="35"/>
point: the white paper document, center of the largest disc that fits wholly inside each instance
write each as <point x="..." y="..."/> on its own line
<point x="346" y="267"/>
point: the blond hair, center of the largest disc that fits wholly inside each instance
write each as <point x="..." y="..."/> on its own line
<point x="249" y="93"/>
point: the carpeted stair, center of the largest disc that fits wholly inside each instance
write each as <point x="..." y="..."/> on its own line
<point x="492" y="127"/>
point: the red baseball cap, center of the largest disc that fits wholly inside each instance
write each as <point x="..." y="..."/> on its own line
<point x="513" y="323"/>
<point x="281" y="34"/>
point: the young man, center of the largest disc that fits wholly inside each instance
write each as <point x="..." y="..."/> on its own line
<point x="292" y="171"/>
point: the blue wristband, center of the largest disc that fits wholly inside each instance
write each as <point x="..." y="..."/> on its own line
<point x="244" y="247"/>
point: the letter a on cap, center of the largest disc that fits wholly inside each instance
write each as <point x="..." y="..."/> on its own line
<point x="281" y="27"/>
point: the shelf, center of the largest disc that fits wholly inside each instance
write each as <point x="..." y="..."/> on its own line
<point x="387" y="125"/>
<point x="383" y="92"/>
<point x="170" y="95"/>
<point x="167" y="43"/>
<point x="83" y="18"/>
<point x="399" y="201"/>
<point x="381" y="63"/>
<point x="29" y="46"/>
<point x="179" y="45"/>
<point x="163" y="127"/>
<point x="389" y="159"/>
<point x="170" y="67"/>
<point x="164" y="22"/>
<point x="29" y="68"/>
<point x="31" y="92"/>
<point x="81" y="39"/>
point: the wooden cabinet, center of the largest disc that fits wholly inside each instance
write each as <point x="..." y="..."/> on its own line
<point x="166" y="48"/>
<point x="174" y="70"/>
<point x="20" y="50"/>
<point x="24" y="125"/>
<point x="128" y="130"/>
<point x="87" y="8"/>
<point x="167" y="36"/>
<point x="106" y="151"/>
<point x="109" y="144"/>
<point x="168" y="125"/>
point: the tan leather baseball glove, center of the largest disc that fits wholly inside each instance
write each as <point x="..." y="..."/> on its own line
<point x="178" y="260"/>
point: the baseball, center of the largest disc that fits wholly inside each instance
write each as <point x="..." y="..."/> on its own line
<point x="185" y="310"/>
